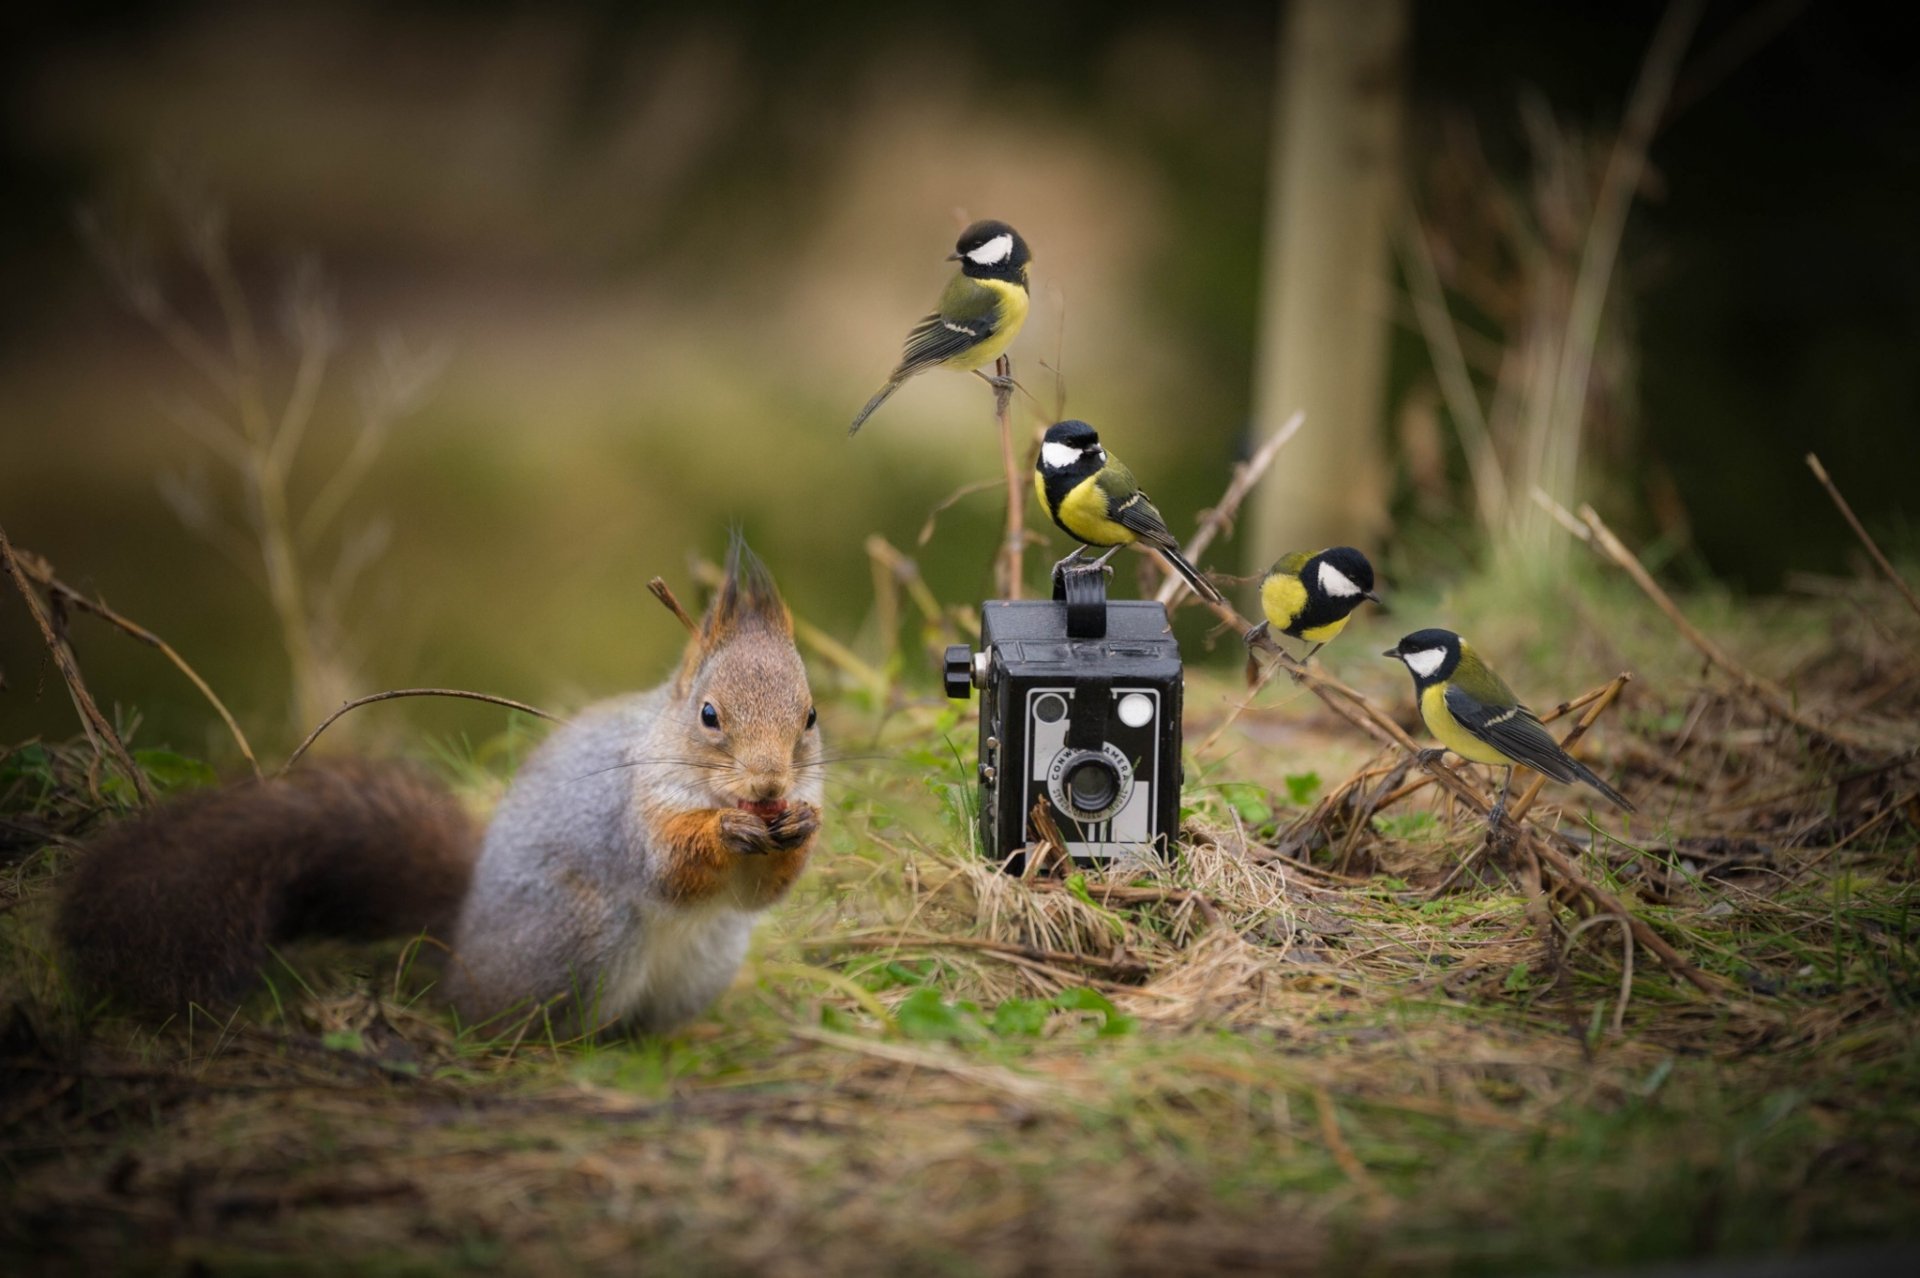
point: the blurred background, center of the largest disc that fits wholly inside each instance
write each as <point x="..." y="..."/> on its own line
<point x="536" y="300"/>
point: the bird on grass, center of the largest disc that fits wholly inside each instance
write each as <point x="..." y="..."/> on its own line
<point x="1310" y="597"/>
<point x="1096" y="501"/>
<point x="978" y="316"/>
<point x="1474" y="714"/>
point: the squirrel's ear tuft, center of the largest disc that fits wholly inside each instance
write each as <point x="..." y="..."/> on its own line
<point x="747" y="600"/>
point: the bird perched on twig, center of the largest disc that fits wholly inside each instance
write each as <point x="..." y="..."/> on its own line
<point x="1475" y="715"/>
<point x="978" y="316"/>
<point x="1310" y="597"/>
<point x="1095" y="500"/>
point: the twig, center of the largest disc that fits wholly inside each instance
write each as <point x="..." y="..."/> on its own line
<point x="664" y="593"/>
<point x="1859" y="530"/>
<point x="1052" y="958"/>
<point x="1245" y="475"/>
<point x="1763" y="690"/>
<point x="42" y="572"/>
<point x="99" y="731"/>
<point x="1014" y="544"/>
<point x="357" y="702"/>
<point x="948" y="502"/>
<point x="1003" y="1080"/>
<point x="1122" y="894"/>
<point x="1611" y="904"/>
<point x="1343" y="1155"/>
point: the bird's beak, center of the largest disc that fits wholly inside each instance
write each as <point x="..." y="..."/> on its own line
<point x="1392" y="652"/>
<point x="953" y="256"/>
<point x="1368" y="594"/>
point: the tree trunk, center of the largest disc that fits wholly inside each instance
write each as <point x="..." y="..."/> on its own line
<point x="1334" y="178"/>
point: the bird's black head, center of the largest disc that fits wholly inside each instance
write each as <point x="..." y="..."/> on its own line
<point x="1070" y="446"/>
<point x="1430" y="654"/>
<point x="1340" y="573"/>
<point x="992" y="250"/>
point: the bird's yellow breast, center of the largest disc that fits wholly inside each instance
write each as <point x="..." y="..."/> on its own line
<point x="1009" y="315"/>
<point x="1449" y="732"/>
<point x="1282" y="598"/>
<point x="1320" y="634"/>
<point x="1083" y="513"/>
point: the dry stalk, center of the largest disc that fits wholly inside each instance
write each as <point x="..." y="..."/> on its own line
<point x="1859" y="530"/>
<point x="1245" y="475"/>
<point x="660" y="590"/>
<point x="1765" y="691"/>
<point x="42" y="572"/>
<point x="368" y="700"/>
<point x="106" y="742"/>
<point x="1013" y="545"/>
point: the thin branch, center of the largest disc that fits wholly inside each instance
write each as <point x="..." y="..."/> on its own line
<point x="357" y="702"/>
<point x="1013" y="544"/>
<point x="664" y="593"/>
<point x="946" y="503"/>
<point x="1859" y="530"/>
<point x="1765" y="691"/>
<point x="1245" y="475"/>
<point x="42" y="572"/>
<point x="99" y="730"/>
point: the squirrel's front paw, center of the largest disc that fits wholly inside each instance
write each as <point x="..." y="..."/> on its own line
<point x="794" y="825"/>
<point x="744" y="832"/>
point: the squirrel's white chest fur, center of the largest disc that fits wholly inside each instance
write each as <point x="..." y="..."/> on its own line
<point x="680" y="959"/>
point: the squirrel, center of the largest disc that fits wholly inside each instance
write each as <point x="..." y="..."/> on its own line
<point x="616" y="885"/>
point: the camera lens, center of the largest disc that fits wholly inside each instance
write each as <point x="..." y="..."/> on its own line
<point x="1092" y="784"/>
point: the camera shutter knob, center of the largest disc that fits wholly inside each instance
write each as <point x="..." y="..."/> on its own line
<point x="957" y="671"/>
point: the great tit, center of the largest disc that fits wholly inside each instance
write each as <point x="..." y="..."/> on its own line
<point x="1474" y="714"/>
<point x="979" y="314"/>
<point x="1310" y="597"/>
<point x="1095" y="500"/>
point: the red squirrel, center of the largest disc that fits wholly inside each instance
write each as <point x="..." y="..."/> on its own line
<point x="617" y="884"/>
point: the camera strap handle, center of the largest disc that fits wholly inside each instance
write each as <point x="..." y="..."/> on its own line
<point x="1092" y="700"/>
<point x="1084" y="591"/>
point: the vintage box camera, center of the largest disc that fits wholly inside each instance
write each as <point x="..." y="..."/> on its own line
<point x="1080" y="703"/>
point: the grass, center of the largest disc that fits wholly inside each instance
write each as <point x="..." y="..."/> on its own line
<point x="1288" y="1064"/>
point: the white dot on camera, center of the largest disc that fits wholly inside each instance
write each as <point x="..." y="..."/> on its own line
<point x="1136" y="710"/>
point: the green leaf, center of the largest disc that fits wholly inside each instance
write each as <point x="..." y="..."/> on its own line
<point x="925" y="1015"/>
<point x="1302" y="787"/>
<point x="1081" y="999"/>
<point x="170" y="771"/>
<point x="1519" y="979"/>
<point x="344" y="1041"/>
<point x="1020" y="1018"/>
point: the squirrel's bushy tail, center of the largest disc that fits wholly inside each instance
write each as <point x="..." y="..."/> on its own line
<point x="178" y="905"/>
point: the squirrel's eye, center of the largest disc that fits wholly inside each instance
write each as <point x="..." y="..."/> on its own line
<point x="813" y="716"/>
<point x="708" y="715"/>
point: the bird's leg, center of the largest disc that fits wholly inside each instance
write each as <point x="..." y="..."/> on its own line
<point x="1257" y="635"/>
<point x="1066" y="564"/>
<point x="1309" y="657"/>
<point x="1001" y="378"/>
<point x="1499" y="813"/>
<point x="1429" y="757"/>
<point x="1101" y="562"/>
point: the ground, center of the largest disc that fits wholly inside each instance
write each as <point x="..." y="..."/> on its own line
<point x="1314" y="1044"/>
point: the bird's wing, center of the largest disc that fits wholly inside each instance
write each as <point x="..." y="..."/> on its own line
<point x="1292" y="565"/>
<point x="936" y="339"/>
<point x="1513" y="730"/>
<point x="968" y="314"/>
<point x="1129" y="507"/>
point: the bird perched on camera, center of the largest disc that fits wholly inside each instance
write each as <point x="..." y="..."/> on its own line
<point x="978" y="316"/>
<point x="1310" y="597"/>
<point x="1475" y="715"/>
<point x="1096" y="501"/>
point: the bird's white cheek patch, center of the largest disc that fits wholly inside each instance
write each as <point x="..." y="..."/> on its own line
<point x="1425" y="661"/>
<point x="993" y="251"/>
<point x="1337" y="583"/>
<point x="1058" y="456"/>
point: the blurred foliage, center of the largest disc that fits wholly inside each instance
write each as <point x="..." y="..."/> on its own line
<point x="672" y="248"/>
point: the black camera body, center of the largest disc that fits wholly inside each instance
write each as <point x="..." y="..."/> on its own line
<point x="1080" y="705"/>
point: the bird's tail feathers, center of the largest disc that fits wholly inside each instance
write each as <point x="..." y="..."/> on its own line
<point x="1583" y="773"/>
<point x="1201" y="586"/>
<point x="879" y="398"/>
